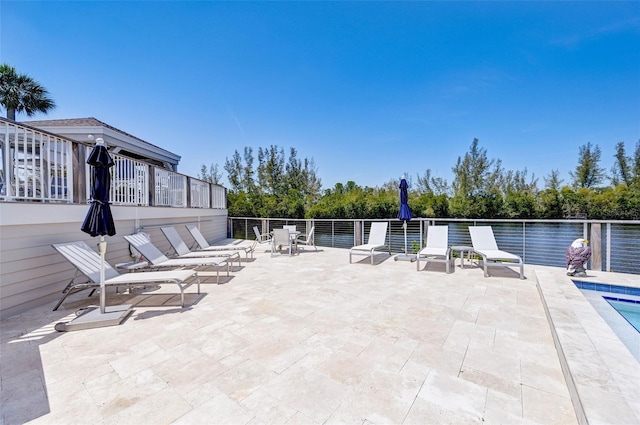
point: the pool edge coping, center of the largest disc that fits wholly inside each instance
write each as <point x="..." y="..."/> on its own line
<point x="566" y="309"/>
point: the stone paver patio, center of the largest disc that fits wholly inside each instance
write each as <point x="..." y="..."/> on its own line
<point x="312" y="339"/>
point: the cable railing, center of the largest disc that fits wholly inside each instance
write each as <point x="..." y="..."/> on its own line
<point x="39" y="166"/>
<point x="615" y="244"/>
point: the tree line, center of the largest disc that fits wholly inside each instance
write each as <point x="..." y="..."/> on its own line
<point x="284" y="186"/>
<point x="276" y="185"/>
<point x="288" y="187"/>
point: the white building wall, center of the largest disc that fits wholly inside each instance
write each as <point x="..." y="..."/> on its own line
<point x="32" y="273"/>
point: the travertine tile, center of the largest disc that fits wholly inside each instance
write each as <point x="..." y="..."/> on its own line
<point x="313" y="394"/>
<point x="162" y="407"/>
<point x="312" y="339"/>
<point x="452" y="394"/>
<point x="218" y="410"/>
<point x="545" y="377"/>
<point x="240" y="381"/>
<point x="267" y="409"/>
<point x="543" y="407"/>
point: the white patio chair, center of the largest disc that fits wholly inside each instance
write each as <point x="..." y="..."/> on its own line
<point x="260" y="238"/>
<point x="87" y="262"/>
<point x="437" y="248"/>
<point x="290" y="228"/>
<point x="376" y="240"/>
<point x="484" y="244"/>
<point x="281" y="238"/>
<point x="307" y="240"/>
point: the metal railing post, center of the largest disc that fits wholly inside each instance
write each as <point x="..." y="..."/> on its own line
<point x="608" y="239"/>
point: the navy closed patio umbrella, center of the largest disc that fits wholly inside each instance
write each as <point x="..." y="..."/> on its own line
<point x="405" y="215"/>
<point x="99" y="221"/>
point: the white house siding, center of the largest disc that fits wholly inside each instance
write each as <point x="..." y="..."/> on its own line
<point x="32" y="273"/>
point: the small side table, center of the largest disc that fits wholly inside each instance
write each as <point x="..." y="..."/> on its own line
<point x="462" y="249"/>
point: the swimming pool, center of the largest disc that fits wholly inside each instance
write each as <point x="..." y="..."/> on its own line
<point x="629" y="309"/>
<point x="619" y="306"/>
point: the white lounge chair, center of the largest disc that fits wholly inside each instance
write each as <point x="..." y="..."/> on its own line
<point x="307" y="240"/>
<point x="87" y="262"/>
<point x="182" y="251"/>
<point x="280" y="239"/>
<point x="157" y="259"/>
<point x="227" y="244"/>
<point x="484" y="244"/>
<point x="377" y="238"/>
<point x="261" y="238"/>
<point x="437" y="247"/>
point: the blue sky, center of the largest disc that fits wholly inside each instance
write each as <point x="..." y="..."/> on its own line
<point x="369" y="90"/>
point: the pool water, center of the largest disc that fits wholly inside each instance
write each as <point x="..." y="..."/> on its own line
<point x="619" y="306"/>
<point x="629" y="309"/>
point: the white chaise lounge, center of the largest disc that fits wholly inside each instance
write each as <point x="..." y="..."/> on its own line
<point x="376" y="240"/>
<point x="437" y="248"/>
<point x="157" y="259"/>
<point x="87" y="262"/>
<point x="484" y="244"/>
<point x="227" y="244"/>
<point x="182" y="251"/>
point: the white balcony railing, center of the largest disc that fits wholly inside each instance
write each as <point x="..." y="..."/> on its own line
<point x="170" y="188"/>
<point x="39" y="166"/>
<point x="200" y="194"/>
<point x="218" y="197"/>
<point x="34" y="165"/>
<point x="129" y="181"/>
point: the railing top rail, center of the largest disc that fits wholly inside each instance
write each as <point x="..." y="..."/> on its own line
<point x="462" y="220"/>
<point x="38" y="130"/>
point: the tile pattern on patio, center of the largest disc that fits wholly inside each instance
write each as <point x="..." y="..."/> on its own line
<point x="308" y="339"/>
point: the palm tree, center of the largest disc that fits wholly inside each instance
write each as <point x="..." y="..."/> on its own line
<point x="21" y="93"/>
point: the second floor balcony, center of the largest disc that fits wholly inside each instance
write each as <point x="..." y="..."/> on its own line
<point x="39" y="166"/>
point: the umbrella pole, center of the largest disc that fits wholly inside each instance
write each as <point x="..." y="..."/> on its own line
<point x="102" y="247"/>
<point x="406" y="256"/>
<point x="404" y="225"/>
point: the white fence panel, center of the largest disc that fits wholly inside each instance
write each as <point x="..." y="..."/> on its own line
<point x="129" y="181"/>
<point x="34" y="165"/>
<point x="170" y="188"/>
<point x="218" y="197"/>
<point x="200" y="197"/>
